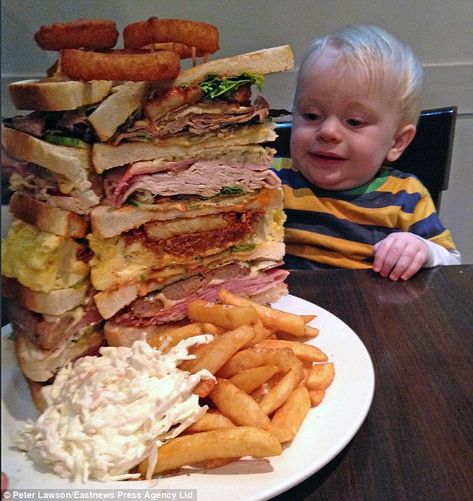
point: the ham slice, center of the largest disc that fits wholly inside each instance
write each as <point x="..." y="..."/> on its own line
<point x="203" y="178"/>
<point x="242" y="285"/>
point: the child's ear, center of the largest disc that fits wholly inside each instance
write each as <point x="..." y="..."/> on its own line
<point x="401" y="142"/>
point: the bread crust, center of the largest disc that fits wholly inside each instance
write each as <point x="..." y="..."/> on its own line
<point x="53" y="95"/>
<point x="56" y="302"/>
<point x="262" y="62"/>
<point x="51" y="219"/>
<point x="73" y="163"/>
<point x="114" y="110"/>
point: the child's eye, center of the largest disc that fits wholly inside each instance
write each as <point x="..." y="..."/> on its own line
<point x="354" y="122"/>
<point x="311" y="116"/>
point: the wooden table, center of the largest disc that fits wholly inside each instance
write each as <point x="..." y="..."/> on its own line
<point x="416" y="442"/>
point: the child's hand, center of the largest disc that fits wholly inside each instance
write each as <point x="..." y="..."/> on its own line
<point x="399" y="255"/>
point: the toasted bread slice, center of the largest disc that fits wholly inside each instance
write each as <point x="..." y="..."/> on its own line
<point x="46" y="218"/>
<point x="52" y="94"/>
<point x="262" y="62"/>
<point x="56" y="302"/>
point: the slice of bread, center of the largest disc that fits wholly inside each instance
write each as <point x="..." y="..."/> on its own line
<point x="51" y="219"/>
<point x="56" y="302"/>
<point x="262" y="62"/>
<point x="72" y="163"/>
<point x="52" y="94"/>
<point x="116" y="109"/>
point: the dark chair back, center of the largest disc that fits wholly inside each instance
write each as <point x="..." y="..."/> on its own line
<point x="428" y="156"/>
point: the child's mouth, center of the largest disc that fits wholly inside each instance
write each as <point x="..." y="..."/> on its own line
<point x="327" y="156"/>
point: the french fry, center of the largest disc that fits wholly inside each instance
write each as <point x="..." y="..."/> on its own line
<point x="250" y="379"/>
<point x="204" y="387"/>
<point x="320" y="376"/>
<point x="238" y="405"/>
<point x="171" y="336"/>
<point x="216" y="463"/>
<point x="304" y="352"/>
<point x="283" y="359"/>
<point x="272" y="318"/>
<point x="224" y="443"/>
<point x="316" y="396"/>
<point x="310" y="331"/>
<point x="220" y="350"/>
<point x="280" y="392"/>
<point x="289" y="417"/>
<point x="308" y="318"/>
<point x="210" y="421"/>
<point x="223" y="315"/>
<point x="261" y="332"/>
<point x="263" y="390"/>
<point x="208" y="328"/>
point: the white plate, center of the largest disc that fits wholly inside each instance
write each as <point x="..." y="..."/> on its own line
<point x="326" y="430"/>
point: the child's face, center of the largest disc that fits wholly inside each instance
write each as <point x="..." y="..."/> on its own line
<point x="342" y="132"/>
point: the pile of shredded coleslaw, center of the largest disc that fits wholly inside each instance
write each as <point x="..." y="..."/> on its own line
<point x="106" y="414"/>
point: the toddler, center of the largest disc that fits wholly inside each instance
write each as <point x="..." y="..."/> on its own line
<point x="357" y="102"/>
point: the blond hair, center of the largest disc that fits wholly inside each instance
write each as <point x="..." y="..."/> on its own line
<point x="377" y="52"/>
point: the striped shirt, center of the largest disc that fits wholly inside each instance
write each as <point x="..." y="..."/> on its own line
<point x="339" y="228"/>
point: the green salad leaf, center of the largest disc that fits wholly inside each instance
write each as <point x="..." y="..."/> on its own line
<point x="64" y="140"/>
<point x="214" y="86"/>
<point x="243" y="247"/>
<point x="231" y="190"/>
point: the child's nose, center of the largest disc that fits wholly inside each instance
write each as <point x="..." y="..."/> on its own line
<point x="329" y="130"/>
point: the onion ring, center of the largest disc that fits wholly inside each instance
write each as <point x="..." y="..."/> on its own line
<point x="120" y="65"/>
<point x="184" y="51"/>
<point x="202" y="36"/>
<point x="86" y="33"/>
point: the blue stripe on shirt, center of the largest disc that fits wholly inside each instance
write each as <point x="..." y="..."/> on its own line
<point x="428" y="227"/>
<point x="330" y="225"/>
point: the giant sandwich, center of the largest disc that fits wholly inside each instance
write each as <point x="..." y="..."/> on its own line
<point x="131" y="198"/>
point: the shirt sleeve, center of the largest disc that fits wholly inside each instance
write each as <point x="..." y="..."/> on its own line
<point x="439" y="255"/>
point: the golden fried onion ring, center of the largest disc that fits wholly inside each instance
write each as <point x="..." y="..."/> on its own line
<point x="120" y="65"/>
<point x="85" y="33"/>
<point x="202" y="36"/>
<point x="184" y="51"/>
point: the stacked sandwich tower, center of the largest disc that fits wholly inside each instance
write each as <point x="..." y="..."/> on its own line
<point x="137" y="187"/>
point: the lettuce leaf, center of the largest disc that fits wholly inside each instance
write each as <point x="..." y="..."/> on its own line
<point x="214" y="86"/>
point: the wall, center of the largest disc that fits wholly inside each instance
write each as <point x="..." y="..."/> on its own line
<point x="439" y="33"/>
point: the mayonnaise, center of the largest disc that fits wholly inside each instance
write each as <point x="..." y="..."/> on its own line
<point x="106" y="414"/>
